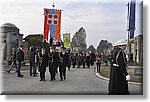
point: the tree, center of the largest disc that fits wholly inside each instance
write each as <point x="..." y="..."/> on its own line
<point x="35" y="42"/>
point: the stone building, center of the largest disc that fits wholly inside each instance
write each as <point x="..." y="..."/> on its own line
<point x="138" y="49"/>
<point x="10" y="38"/>
<point x="78" y="43"/>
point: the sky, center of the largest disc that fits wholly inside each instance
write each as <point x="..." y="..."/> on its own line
<point x="102" y="19"/>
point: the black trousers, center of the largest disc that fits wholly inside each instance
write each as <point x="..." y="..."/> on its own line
<point x="98" y="67"/>
<point x="19" y="68"/>
<point x="62" y="71"/>
<point x="32" y="68"/>
<point x="118" y="93"/>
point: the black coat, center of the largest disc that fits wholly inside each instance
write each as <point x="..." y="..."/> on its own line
<point x="118" y="83"/>
<point x="32" y="57"/>
<point x="44" y="62"/>
<point x="20" y="55"/>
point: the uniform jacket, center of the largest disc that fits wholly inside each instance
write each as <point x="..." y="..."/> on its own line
<point x="118" y="81"/>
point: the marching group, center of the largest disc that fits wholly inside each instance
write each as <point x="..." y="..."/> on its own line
<point x="61" y="58"/>
<point x="55" y="58"/>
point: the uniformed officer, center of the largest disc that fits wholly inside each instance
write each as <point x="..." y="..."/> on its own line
<point x="63" y="57"/>
<point x="83" y="60"/>
<point x="88" y="58"/>
<point x="51" y="64"/>
<point x="44" y="63"/>
<point x="74" y="60"/>
<point x="118" y="83"/>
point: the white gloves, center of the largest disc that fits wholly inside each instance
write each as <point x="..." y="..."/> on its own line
<point x="128" y="77"/>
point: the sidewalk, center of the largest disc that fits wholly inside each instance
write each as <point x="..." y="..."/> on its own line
<point x="107" y="79"/>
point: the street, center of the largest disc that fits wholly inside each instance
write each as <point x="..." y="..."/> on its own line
<point x="79" y="81"/>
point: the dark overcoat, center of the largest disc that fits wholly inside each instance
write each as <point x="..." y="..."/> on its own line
<point x="118" y="83"/>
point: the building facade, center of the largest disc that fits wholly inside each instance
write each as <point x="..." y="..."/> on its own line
<point x="11" y="38"/>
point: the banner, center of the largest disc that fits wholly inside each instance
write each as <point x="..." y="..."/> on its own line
<point x="131" y="19"/>
<point x="52" y="24"/>
<point x="66" y="38"/>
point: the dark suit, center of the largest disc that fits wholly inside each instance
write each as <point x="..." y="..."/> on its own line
<point x="20" y="58"/>
<point x="43" y="66"/>
<point x="118" y="83"/>
<point x="63" y="63"/>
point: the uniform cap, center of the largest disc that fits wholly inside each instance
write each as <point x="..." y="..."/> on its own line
<point x="121" y="42"/>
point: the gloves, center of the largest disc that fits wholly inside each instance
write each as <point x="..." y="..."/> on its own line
<point x="128" y="77"/>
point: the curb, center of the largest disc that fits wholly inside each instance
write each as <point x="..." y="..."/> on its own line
<point x="104" y="78"/>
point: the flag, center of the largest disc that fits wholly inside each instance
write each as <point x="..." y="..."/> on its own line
<point x="131" y="19"/>
<point x="66" y="38"/>
<point x="46" y="26"/>
<point x="52" y="24"/>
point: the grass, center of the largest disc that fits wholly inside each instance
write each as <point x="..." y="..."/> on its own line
<point x="105" y="72"/>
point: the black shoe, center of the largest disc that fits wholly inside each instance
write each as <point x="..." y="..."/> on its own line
<point x="20" y="76"/>
<point x="8" y="72"/>
<point x="34" y="75"/>
<point x="44" y="80"/>
<point x="16" y="71"/>
<point x="40" y="79"/>
<point x="51" y="80"/>
<point x="64" y="78"/>
<point x="61" y="79"/>
<point x="30" y="74"/>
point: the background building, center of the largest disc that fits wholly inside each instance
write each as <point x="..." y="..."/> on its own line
<point x="11" y="38"/>
<point x="78" y="43"/>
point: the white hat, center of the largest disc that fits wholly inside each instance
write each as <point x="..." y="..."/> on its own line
<point x="121" y="42"/>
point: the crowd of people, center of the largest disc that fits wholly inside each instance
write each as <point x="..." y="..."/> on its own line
<point x="58" y="59"/>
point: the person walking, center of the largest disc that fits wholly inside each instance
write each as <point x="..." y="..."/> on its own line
<point x="63" y="61"/>
<point x="13" y="60"/>
<point x="20" y="59"/>
<point x="88" y="58"/>
<point x="118" y="83"/>
<point x="32" y="61"/>
<point x="98" y="62"/>
<point x="43" y="64"/>
<point x="53" y="64"/>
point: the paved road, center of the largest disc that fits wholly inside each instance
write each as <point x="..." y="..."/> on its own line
<point x="79" y="81"/>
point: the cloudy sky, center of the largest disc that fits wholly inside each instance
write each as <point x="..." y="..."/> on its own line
<point x="102" y="19"/>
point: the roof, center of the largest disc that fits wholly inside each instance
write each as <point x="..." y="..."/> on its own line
<point x="31" y="36"/>
<point x="8" y="25"/>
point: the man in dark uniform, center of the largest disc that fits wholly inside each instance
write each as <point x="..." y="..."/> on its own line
<point x="74" y="60"/>
<point x="118" y="83"/>
<point x="63" y="57"/>
<point x="83" y="60"/>
<point x="43" y="64"/>
<point x="20" y="58"/>
<point x="88" y="58"/>
<point x="53" y="64"/>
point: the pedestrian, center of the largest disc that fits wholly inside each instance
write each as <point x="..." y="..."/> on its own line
<point x="88" y="58"/>
<point x="118" y="83"/>
<point x="20" y="59"/>
<point x="63" y="62"/>
<point x="44" y="63"/>
<point x="53" y="64"/>
<point x="13" y="60"/>
<point x="79" y="59"/>
<point x="74" y="60"/>
<point x="83" y="60"/>
<point x="98" y="62"/>
<point x="32" y="61"/>
<point x="93" y="57"/>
